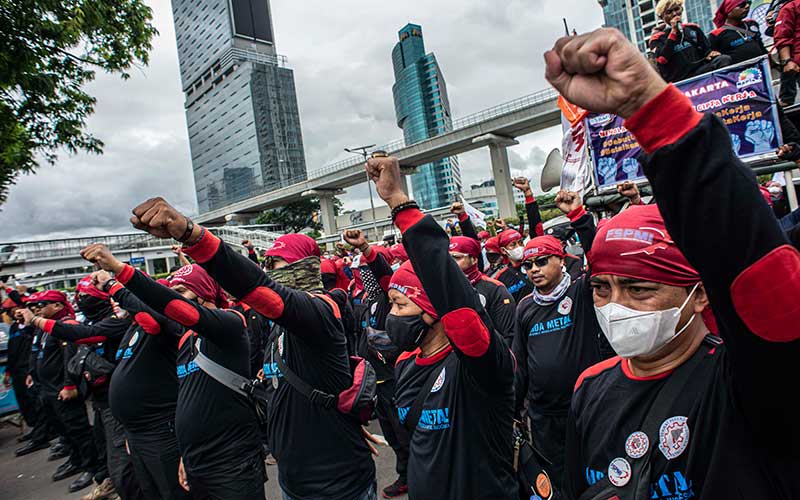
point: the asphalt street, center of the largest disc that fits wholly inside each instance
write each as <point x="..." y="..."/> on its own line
<point x="28" y="477"/>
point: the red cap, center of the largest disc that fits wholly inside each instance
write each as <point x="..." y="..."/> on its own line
<point x="508" y="237"/>
<point x="482" y="235"/>
<point x="327" y="266"/>
<point x="405" y="281"/>
<point x="398" y="251"/>
<point x="543" y="245"/>
<point x="465" y="245"/>
<point x="85" y="285"/>
<point x="8" y="304"/>
<point x="635" y="244"/>
<point x="492" y="245"/>
<point x="293" y="247"/>
<point x="196" y="279"/>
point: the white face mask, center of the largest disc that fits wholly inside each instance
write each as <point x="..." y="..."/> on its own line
<point x="633" y="333"/>
<point x="395" y="266"/>
<point x="515" y="254"/>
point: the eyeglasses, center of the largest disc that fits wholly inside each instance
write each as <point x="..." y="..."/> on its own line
<point x="40" y="305"/>
<point x="539" y="262"/>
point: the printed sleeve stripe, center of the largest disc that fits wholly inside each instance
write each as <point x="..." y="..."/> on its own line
<point x="266" y="301"/>
<point x="204" y="249"/>
<point x="241" y="316"/>
<point x="126" y="274"/>
<point x="597" y="369"/>
<point x="182" y="312"/>
<point x="373" y="254"/>
<point x="466" y="330"/>
<point x="664" y="120"/>
<point x="70" y="387"/>
<point x="492" y="280"/>
<point x="769" y="306"/>
<point x="463" y="216"/>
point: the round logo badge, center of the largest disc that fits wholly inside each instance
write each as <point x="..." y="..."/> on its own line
<point x="637" y="444"/>
<point x="543" y="486"/>
<point x="439" y="381"/>
<point x="133" y="339"/>
<point x="673" y="437"/>
<point x="482" y="299"/>
<point x="565" y="306"/>
<point x="619" y="472"/>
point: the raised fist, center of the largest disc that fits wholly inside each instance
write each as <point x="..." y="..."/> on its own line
<point x="159" y="218"/>
<point x="385" y="172"/>
<point x="602" y="72"/>
<point x="567" y="201"/>
<point x="25" y="315"/>
<point x="99" y="254"/>
<point x="457" y="208"/>
<point x="522" y="184"/>
<point x="99" y="279"/>
<point x="355" y="238"/>
<point x="630" y="190"/>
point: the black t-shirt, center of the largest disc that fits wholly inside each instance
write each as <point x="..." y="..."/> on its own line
<point x="554" y="344"/>
<point x="515" y="280"/>
<point x="739" y="42"/>
<point x="144" y="388"/>
<point x="704" y="449"/>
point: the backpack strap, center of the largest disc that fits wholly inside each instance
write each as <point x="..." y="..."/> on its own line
<point x="672" y="389"/>
<point x="224" y="376"/>
<point x="415" y="411"/>
<point x="316" y="396"/>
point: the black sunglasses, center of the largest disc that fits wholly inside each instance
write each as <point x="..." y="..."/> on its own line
<point x="40" y="304"/>
<point x="538" y="262"/>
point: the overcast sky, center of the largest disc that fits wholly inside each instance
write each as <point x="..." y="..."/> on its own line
<point x="489" y="52"/>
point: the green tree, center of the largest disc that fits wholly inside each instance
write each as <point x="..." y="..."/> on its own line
<point x="49" y="50"/>
<point x="298" y="215"/>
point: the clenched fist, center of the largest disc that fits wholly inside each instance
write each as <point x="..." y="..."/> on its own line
<point x="602" y="72"/>
<point x="99" y="254"/>
<point x="160" y="219"/>
<point x="355" y="238"/>
<point x="385" y="172"/>
<point x="567" y="201"/>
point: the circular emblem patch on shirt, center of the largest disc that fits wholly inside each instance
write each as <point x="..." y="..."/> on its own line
<point x="565" y="306"/>
<point x="543" y="486"/>
<point x="673" y="437"/>
<point x="482" y="299"/>
<point x="637" y="444"/>
<point x="619" y="472"/>
<point x="133" y="339"/>
<point x="439" y="381"/>
<point x="373" y="308"/>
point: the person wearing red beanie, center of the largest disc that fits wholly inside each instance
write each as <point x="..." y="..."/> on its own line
<point x="511" y="275"/>
<point x="681" y="413"/>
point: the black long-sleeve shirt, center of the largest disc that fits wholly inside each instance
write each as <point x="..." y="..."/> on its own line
<point x="378" y="347"/>
<point x="474" y="390"/>
<point x="515" y="280"/>
<point x="738" y="436"/>
<point x="321" y="451"/>
<point x="499" y="304"/>
<point x="679" y="55"/>
<point x="20" y="339"/>
<point x="49" y="361"/>
<point x="216" y="427"/>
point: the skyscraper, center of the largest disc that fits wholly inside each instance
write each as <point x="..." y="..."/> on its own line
<point x="423" y="111"/>
<point x="241" y="106"/>
<point x="636" y="18"/>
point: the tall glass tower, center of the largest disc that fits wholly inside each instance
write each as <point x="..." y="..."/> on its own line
<point x="423" y="111"/>
<point x="241" y="106"/>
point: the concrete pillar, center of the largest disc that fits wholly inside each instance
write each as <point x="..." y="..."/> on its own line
<point x="148" y="267"/>
<point x="327" y="214"/>
<point x="504" y="190"/>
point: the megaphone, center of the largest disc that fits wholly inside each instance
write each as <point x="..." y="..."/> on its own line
<point x="551" y="173"/>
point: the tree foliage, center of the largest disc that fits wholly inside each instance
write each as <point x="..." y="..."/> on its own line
<point x="298" y="215"/>
<point x="49" y="51"/>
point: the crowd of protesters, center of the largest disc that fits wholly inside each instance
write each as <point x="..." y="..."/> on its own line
<point x="658" y="363"/>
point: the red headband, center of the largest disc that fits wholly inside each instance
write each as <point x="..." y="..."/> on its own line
<point x="405" y="281"/>
<point x="509" y="236"/>
<point x="398" y="251"/>
<point x="492" y="245"/>
<point x="293" y="247"/>
<point x="86" y="286"/>
<point x="55" y="296"/>
<point x="543" y="245"/>
<point x="463" y="244"/>
<point x="196" y="279"/>
<point x="635" y="244"/>
<point x="482" y="235"/>
<point x="723" y="10"/>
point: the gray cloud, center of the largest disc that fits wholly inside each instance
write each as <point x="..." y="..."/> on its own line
<point x="490" y="52"/>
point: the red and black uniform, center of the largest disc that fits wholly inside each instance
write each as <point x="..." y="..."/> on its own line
<point x="258" y="333"/>
<point x="320" y="451"/>
<point x="216" y="427"/>
<point x="736" y="435"/>
<point x="515" y="281"/>
<point x="534" y="217"/>
<point x="739" y="42"/>
<point x="143" y="395"/>
<point x="499" y="305"/>
<point x="679" y="55"/>
<point x="462" y="446"/>
<point x="553" y="344"/>
<point x="20" y="339"/>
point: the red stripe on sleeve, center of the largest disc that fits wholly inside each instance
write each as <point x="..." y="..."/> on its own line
<point x="92" y="340"/>
<point x="182" y="312"/>
<point x="462" y="216"/>
<point x="576" y="214"/>
<point x="147" y="322"/>
<point x="665" y="119"/>
<point x="70" y="387"/>
<point x="597" y="369"/>
<point x="48" y="325"/>
<point x="407" y="218"/>
<point x="466" y="330"/>
<point x="266" y="301"/>
<point x="373" y="254"/>
<point x="204" y="249"/>
<point x="116" y="287"/>
<point x="126" y="274"/>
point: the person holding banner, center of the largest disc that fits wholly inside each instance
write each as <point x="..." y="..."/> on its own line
<point x="682" y="413"/>
<point x="681" y="49"/>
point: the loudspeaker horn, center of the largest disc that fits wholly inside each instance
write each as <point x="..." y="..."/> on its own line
<point x="551" y="173"/>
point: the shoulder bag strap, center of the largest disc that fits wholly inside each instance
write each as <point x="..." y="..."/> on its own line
<point x="314" y="395"/>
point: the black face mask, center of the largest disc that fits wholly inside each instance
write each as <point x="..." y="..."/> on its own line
<point x="94" y="308"/>
<point x="406" y="332"/>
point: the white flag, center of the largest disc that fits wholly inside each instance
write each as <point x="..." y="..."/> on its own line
<point x="576" y="173"/>
<point x="478" y="217"/>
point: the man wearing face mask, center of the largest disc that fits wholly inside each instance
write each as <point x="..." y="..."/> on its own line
<point x="493" y="295"/>
<point x="682" y="414"/>
<point x="557" y="335"/>
<point x="104" y="331"/>
<point x="512" y="276"/>
<point x="494" y="259"/>
<point x="321" y="451"/>
<point x="216" y="427"/>
<point x="456" y="380"/>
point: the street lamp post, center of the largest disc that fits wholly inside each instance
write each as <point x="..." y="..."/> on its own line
<point x="362" y="150"/>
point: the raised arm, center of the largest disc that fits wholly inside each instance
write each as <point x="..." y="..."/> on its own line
<point x="531" y="207"/>
<point x="108" y="328"/>
<point x="570" y="203"/>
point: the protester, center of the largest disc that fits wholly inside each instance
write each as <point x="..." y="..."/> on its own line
<point x="494" y="257"/>
<point x="682" y="49"/>
<point x="321" y="452"/>
<point x="736" y="36"/>
<point x="58" y="391"/>
<point x="511" y="275"/>
<point x="787" y="40"/>
<point x="464" y="421"/>
<point x="104" y="331"/>
<point x="493" y="295"/>
<point x="557" y="336"/>
<point x="681" y="413"/>
<point x="531" y="206"/>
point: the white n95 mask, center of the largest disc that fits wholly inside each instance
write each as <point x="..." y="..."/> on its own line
<point x="633" y="333"/>
<point x="515" y="254"/>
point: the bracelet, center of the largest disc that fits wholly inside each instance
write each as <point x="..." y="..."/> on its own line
<point x="188" y="232"/>
<point x="108" y="284"/>
<point x="200" y="237"/>
<point x="399" y="208"/>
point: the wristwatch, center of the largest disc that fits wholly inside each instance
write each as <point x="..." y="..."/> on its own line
<point x="784" y="62"/>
